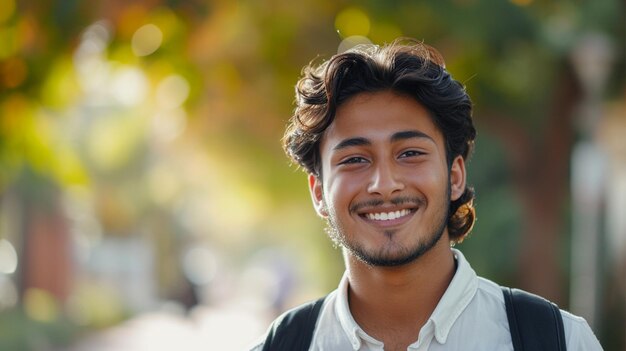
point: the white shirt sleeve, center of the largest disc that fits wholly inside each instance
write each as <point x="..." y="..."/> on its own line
<point x="578" y="334"/>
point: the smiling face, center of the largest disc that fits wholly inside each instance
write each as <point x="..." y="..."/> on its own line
<point x="385" y="186"/>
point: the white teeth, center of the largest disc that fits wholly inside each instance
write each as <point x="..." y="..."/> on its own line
<point x="386" y="216"/>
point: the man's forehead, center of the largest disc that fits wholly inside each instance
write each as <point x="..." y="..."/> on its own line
<point x="380" y="115"/>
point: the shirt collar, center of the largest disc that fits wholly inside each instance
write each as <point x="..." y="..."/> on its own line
<point x="457" y="296"/>
<point x="342" y="310"/>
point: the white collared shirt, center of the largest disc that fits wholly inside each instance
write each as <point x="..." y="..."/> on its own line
<point x="471" y="315"/>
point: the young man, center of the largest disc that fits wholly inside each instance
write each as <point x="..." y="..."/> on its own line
<point x="384" y="134"/>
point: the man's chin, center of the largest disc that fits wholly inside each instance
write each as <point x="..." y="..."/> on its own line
<point x="386" y="260"/>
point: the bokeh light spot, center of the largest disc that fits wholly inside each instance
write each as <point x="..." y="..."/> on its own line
<point x="8" y="293"/>
<point x="40" y="305"/>
<point x="167" y="125"/>
<point x="96" y="305"/>
<point x="129" y="86"/>
<point x="350" y="42"/>
<point x="146" y="40"/>
<point x="200" y="265"/>
<point x="112" y="141"/>
<point x="97" y="36"/>
<point x="172" y="92"/>
<point x="352" y="21"/>
<point x="8" y="257"/>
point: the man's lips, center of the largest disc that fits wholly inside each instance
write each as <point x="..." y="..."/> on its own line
<point x="387" y="215"/>
<point x="396" y="208"/>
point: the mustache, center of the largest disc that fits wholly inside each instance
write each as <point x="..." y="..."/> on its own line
<point x="401" y="200"/>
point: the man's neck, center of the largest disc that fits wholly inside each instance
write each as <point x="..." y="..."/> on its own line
<point x="393" y="303"/>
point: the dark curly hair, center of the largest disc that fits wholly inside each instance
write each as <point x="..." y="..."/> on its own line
<point x="405" y="66"/>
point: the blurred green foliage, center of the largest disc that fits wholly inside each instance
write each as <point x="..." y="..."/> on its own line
<point x="19" y="332"/>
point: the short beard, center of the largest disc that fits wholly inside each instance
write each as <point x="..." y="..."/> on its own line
<point x="377" y="260"/>
<point x="405" y="256"/>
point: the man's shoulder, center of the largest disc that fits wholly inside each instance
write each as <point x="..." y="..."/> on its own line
<point x="490" y="289"/>
<point x="490" y="296"/>
<point x="301" y="313"/>
<point x="494" y="292"/>
<point x="292" y="325"/>
<point x="578" y="334"/>
<point x="572" y="318"/>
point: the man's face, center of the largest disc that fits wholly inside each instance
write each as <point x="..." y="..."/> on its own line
<point x="385" y="186"/>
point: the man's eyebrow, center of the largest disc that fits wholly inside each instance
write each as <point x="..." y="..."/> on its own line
<point x="409" y="134"/>
<point x="403" y="135"/>
<point x="352" y="142"/>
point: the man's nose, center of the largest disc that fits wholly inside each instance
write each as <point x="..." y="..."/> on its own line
<point x="385" y="180"/>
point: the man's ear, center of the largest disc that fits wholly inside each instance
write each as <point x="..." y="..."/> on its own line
<point x="457" y="178"/>
<point x="317" y="195"/>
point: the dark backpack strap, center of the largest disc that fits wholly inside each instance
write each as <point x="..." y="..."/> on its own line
<point x="293" y="330"/>
<point x="535" y="323"/>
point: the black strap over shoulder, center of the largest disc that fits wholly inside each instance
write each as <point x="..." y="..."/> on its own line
<point x="293" y="330"/>
<point x="535" y="323"/>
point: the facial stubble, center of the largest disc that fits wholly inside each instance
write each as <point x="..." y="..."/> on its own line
<point x="394" y="255"/>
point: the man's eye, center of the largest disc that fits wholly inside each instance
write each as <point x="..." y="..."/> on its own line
<point x="411" y="153"/>
<point x="353" y="160"/>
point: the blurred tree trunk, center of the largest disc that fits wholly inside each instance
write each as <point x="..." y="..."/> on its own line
<point x="46" y="243"/>
<point x="48" y="254"/>
<point x="540" y="169"/>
